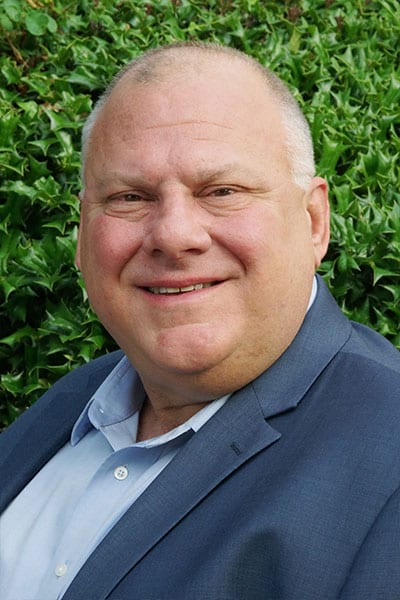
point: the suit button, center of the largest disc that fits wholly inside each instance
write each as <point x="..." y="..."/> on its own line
<point x="121" y="473"/>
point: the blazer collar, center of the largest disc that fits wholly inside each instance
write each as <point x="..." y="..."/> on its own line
<point x="323" y="333"/>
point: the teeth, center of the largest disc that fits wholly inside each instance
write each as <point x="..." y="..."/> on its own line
<point x="179" y="290"/>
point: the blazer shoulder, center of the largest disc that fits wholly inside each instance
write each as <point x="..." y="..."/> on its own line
<point x="80" y="383"/>
<point x="371" y="346"/>
<point x="90" y="374"/>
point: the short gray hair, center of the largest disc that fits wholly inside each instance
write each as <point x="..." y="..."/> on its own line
<point x="154" y="63"/>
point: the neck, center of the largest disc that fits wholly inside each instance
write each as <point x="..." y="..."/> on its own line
<point x="156" y="421"/>
<point x="172" y="400"/>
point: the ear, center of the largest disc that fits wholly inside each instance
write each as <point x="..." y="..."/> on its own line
<point x="317" y="206"/>
<point x="78" y="243"/>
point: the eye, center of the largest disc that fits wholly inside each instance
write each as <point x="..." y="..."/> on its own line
<point x="133" y="197"/>
<point x="128" y="197"/>
<point x="222" y="191"/>
<point x="129" y="204"/>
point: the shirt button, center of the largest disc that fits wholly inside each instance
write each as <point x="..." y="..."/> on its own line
<point x="60" y="570"/>
<point x="121" y="473"/>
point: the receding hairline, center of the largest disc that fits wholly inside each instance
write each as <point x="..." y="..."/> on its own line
<point x="164" y="59"/>
<point x="167" y="62"/>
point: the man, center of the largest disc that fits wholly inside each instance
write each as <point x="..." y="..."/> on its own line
<point x="246" y="444"/>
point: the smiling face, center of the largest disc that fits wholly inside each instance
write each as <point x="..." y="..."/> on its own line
<point x="197" y="249"/>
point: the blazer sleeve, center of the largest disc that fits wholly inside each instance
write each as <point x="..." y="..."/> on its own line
<point x="375" y="572"/>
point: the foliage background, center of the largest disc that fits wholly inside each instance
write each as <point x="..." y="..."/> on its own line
<point x="56" y="56"/>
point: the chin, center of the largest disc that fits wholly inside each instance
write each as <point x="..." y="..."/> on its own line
<point x="186" y="349"/>
<point x="190" y="363"/>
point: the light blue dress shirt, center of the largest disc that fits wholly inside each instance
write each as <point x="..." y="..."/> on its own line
<point x="56" y="522"/>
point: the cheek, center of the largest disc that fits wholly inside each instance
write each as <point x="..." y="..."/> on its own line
<point x="107" y="243"/>
<point x="252" y="238"/>
<point x="271" y="244"/>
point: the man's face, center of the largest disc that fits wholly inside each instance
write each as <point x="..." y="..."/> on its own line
<point x="196" y="247"/>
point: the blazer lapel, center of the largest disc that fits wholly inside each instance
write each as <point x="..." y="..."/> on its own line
<point x="34" y="445"/>
<point x="323" y="333"/>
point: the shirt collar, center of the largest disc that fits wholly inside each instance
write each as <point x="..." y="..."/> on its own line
<point x="120" y="396"/>
<point x="314" y="291"/>
<point x="114" y="409"/>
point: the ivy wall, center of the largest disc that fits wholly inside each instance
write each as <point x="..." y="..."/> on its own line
<point x="340" y="57"/>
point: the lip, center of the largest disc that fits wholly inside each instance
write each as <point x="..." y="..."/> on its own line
<point x="179" y="289"/>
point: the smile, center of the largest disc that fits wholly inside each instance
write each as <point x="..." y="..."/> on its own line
<point x="179" y="290"/>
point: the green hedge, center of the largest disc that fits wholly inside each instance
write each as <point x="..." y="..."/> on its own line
<point x="56" y="57"/>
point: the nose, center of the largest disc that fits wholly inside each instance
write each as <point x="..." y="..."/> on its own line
<point x="176" y="227"/>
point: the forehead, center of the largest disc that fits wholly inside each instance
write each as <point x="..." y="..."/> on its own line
<point x="224" y="101"/>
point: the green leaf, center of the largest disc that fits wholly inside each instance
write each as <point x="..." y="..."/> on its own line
<point x="36" y="22"/>
<point x="380" y="272"/>
<point x="51" y="24"/>
<point x="10" y="71"/>
<point x="294" y="42"/>
<point x="17" y="336"/>
<point x="13" y="383"/>
<point x="6" y="23"/>
<point x="13" y="9"/>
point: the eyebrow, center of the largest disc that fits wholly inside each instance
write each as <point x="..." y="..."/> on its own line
<point x="205" y="174"/>
<point x="114" y="176"/>
<point x="227" y="171"/>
